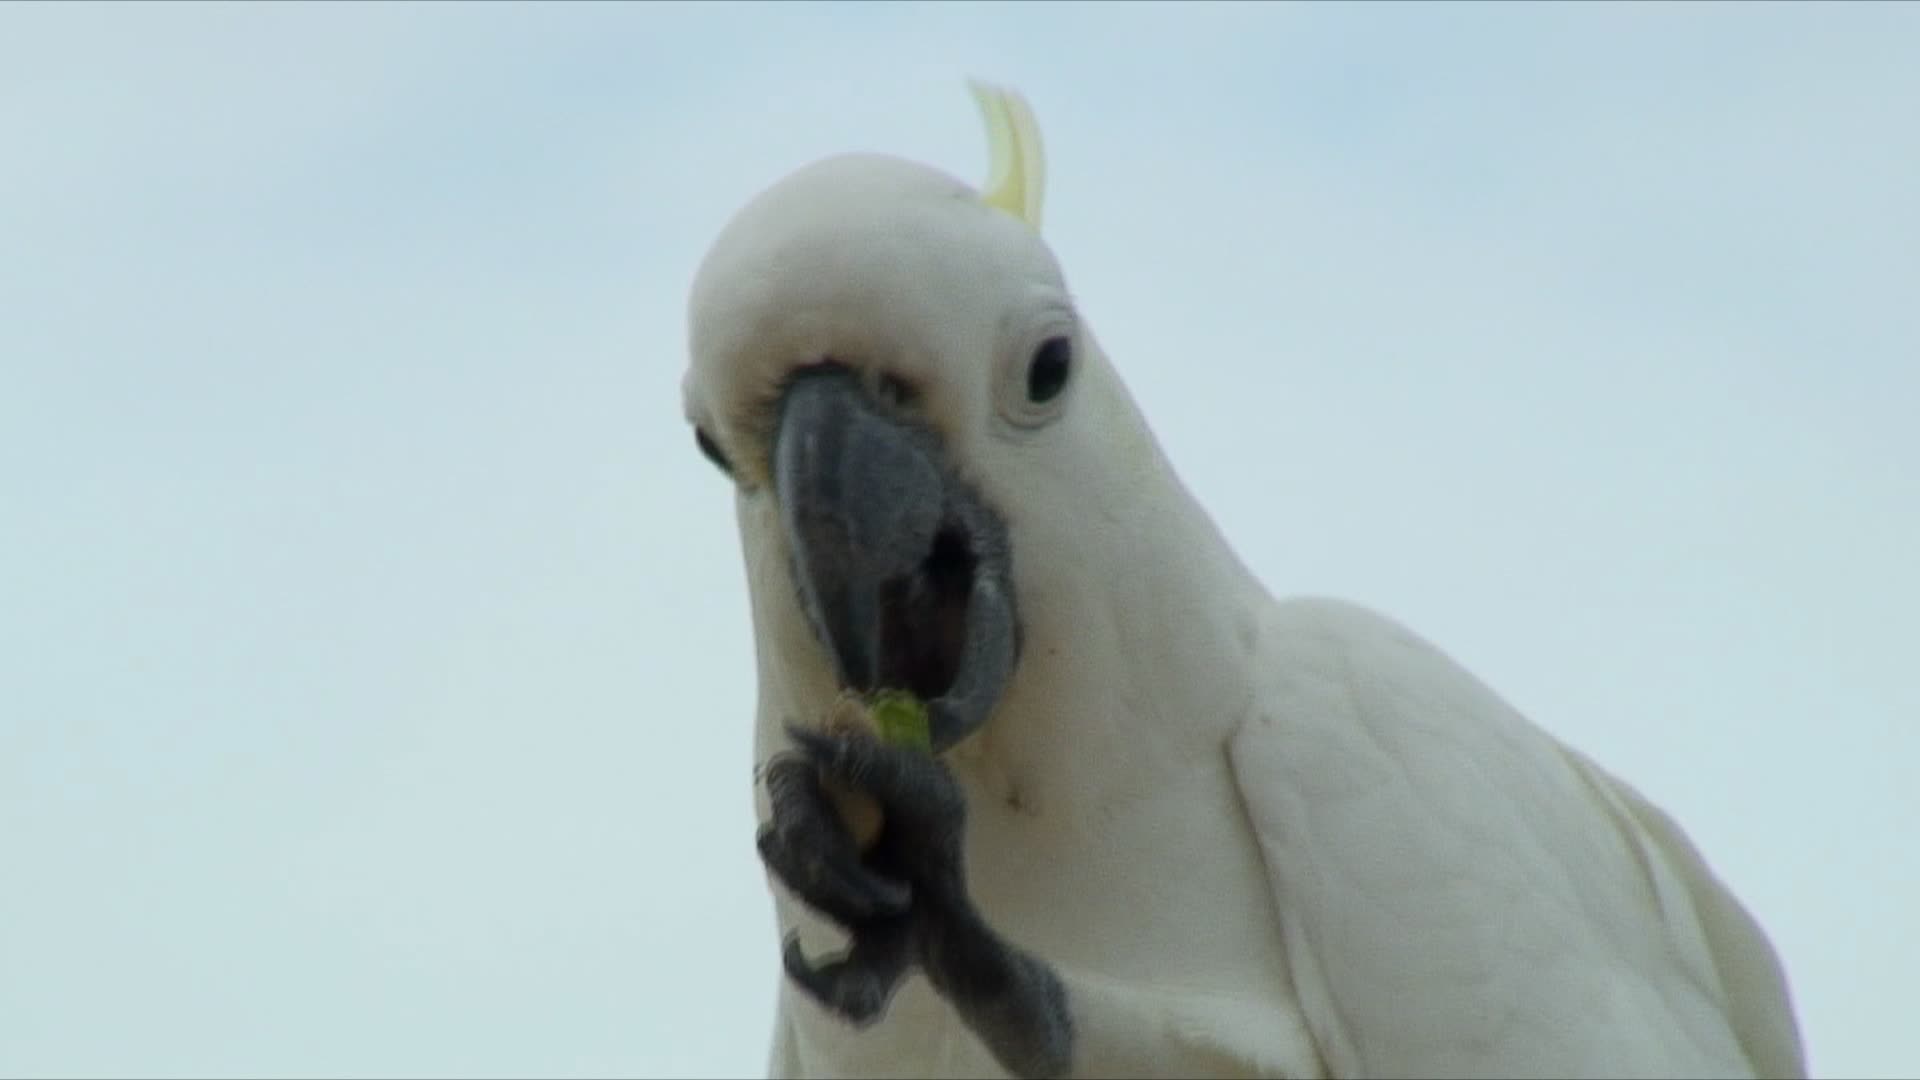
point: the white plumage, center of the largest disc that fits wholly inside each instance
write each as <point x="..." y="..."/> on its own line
<point x="1251" y="836"/>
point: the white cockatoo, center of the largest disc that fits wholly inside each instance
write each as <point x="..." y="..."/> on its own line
<point x="1170" y="825"/>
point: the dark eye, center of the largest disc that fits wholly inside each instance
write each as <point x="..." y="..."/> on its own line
<point x="712" y="450"/>
<point x="1048" y="370"/>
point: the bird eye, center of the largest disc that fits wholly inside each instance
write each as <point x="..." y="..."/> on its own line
<point x="1049" y="369"/>
<point x="712" y="450"/>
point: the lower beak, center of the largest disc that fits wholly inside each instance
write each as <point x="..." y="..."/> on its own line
<point x="900" y="568"/>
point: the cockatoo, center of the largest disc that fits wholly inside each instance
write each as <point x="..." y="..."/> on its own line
<point x="1170" y="824"/>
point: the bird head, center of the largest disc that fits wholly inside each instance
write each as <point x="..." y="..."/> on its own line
<point x="938" y="472"/>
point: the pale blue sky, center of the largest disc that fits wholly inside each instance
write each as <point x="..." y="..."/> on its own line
<point x="373" y="644"/>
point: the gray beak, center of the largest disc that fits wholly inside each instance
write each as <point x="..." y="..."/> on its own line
<point x="901" y="569"/>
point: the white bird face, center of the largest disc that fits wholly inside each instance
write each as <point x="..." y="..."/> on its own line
<point x="893" y="375"/>
<point x="888" y="268"/>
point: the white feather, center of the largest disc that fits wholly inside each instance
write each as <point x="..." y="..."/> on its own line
<point x="1255" y="838"/>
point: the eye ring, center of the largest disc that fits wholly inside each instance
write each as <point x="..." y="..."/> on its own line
<point x="1036" y="373"/>
<point x="1049" y="369"/>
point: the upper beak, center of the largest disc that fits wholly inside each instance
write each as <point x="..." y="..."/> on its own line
<point x="901" y="570"/>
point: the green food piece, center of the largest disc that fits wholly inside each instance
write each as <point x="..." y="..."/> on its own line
<point x="901" y="719"/>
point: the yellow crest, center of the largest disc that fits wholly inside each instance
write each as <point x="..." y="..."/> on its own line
<point x="1016" y="166"/>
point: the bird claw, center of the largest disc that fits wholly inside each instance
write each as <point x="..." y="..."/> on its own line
<point x="886" y="899"/>
<point x="808" y="847"/>
<point x="924" y="808"/>
<point x="857" y="985"/>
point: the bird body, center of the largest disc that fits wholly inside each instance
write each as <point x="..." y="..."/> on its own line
<point x="1176" y="826"/>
